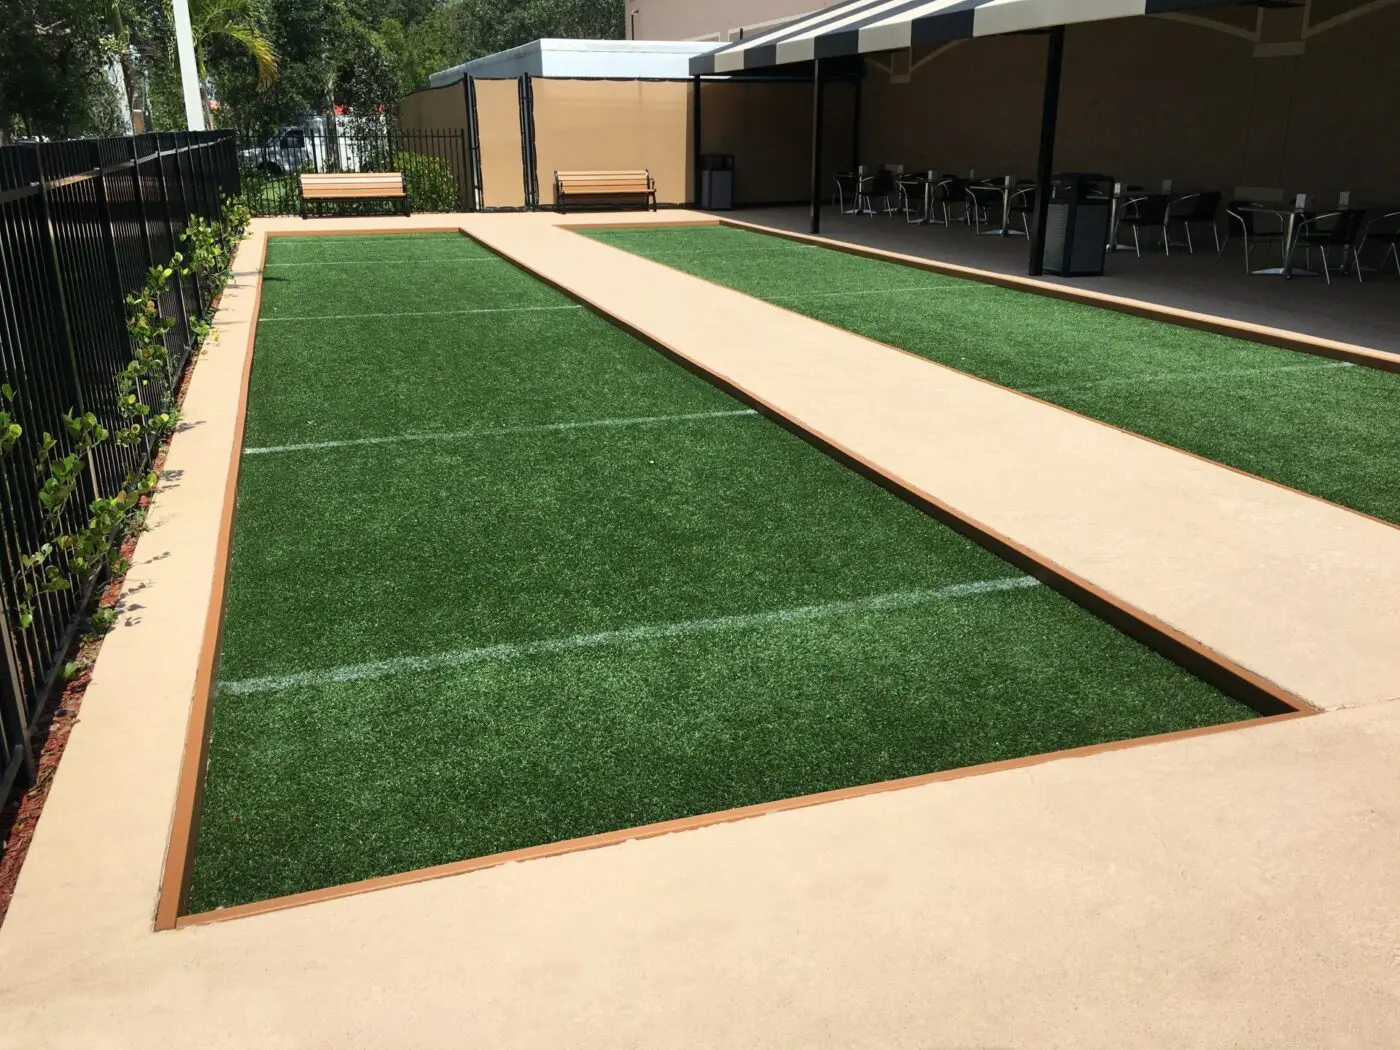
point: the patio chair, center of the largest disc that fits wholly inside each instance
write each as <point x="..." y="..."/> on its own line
<point x="978" y="205"/>
<point x="911" y="196"/>
<point x="1022" y="203"/>
<point x="1390" y="237"/>
<point x="847" y="189"/>
<point x="1148" y="212"/>
<point x="947" y="194"/>
<point x="881" y="188"/>
<point x="1249" y="232"/>
<point x="1195" y="209"/>
<point x="1333" y="230"/>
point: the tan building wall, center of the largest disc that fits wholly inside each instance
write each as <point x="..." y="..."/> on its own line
<point x="1262" y="100"/>
<point x="710" y="19"/>
<point x="440" y="111"/>
<point x="498" y="133"/>
<point x="768" y="129"/>
<point x="591" y="125"/>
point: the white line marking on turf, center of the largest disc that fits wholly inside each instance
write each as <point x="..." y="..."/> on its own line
<point x="1167" y="377"/>
<point x="423" y="313"/>
<point x="625" y="636"/>
<point x="389" y="262"/>
<point x="466" y="435"/>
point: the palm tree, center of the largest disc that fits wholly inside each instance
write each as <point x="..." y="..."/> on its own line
<point x="239" y="21"/>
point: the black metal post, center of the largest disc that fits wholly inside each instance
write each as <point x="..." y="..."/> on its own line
<point x="816" y="225"/>
<point x="696" y="141"/>
<point x="140" y="196"/>
<point x="1045" y="160"/>
<point x="855" y="128"/>
<point x="109" y="240"/>
<point x="179" y="283"/>
<point x="55" y="268"/>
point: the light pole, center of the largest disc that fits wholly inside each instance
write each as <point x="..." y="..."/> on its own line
<point x="189" y="70"/>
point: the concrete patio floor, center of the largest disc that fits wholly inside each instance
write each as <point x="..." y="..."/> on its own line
<point x="1366" y="313"/>
<point x="1229" y="890"/>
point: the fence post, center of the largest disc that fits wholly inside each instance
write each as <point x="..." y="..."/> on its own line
<point x="14" y="686"/>
<point x="109" y="241"/>
<point x="46" y="231"/>
<point x="180" y="303"/>
<point x="139" y="193"/>
<point x="186" y="151"/>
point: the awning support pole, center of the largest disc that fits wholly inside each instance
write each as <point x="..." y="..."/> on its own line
<point x="816" y="145"/>
<point x="695" y="146"/>
<point x="1045" y="161"/>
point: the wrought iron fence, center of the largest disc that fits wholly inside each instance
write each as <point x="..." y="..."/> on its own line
<point x="435" y="165"/>
<point x="80" y="223"/>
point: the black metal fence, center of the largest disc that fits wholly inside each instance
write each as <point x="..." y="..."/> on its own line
<point x="80" y="223"/>
<point x="435" y="165"/>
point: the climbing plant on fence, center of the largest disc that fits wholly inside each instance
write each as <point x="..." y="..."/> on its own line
<point x="115" y="251"/>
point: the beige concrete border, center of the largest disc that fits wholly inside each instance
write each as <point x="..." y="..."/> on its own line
<point x="1266" y="697"/>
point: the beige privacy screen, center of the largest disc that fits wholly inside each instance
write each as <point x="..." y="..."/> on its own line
<point x="612" y="125"/>
<point x="498" y="132"/>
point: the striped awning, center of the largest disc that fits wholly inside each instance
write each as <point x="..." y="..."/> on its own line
<point x="864" y="26"/>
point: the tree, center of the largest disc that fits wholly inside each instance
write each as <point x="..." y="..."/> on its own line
<point x="52" y="59"/>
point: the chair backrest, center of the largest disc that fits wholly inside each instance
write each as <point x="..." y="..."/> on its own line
<point x="846" y="181"/>
<point x="1150" y="210"/>
<point x="1197" y="207"/>
<point x="1345" y="227"/>
<point x="883" y="182"/>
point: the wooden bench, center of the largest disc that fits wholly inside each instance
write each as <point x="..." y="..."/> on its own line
<point x="606" y="189"/>
<point x="354" y="186"/>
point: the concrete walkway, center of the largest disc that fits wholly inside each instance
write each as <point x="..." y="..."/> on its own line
<point x="1232" y="890"/>
<point x="1302" y="592"/>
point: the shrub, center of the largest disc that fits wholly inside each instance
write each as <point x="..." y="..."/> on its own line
<point x="430" y="182"/>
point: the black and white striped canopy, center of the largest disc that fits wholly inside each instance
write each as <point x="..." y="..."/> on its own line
<point x="864" y="26"/>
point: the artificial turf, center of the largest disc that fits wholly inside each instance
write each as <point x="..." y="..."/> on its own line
<point x="1320" y="426"/>
<point x="514" y="632"/>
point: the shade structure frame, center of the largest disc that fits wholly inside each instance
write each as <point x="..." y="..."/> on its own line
<point x="859" y="27"/>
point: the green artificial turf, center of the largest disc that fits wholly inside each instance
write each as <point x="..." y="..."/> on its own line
<point x="1317" y="425"/>
<point x="504" y="636"/>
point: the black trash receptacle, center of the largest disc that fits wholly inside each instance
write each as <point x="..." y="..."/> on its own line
<point x="1076" y="229"/>
<point x="717" y="181"/>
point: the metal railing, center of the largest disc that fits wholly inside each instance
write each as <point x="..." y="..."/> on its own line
<point x="435" y="163"/>
<point x="80" y="223"/>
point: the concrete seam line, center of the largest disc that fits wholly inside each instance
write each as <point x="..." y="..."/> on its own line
<point x="467" y="435"/>
<point x="1167" y="377"/>
<point x="624" y="636"/>
<point x="423" y="313"/>
<point x="932" y="288"/>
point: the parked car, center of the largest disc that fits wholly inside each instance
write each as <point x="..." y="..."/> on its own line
<point x="288" y="150"/>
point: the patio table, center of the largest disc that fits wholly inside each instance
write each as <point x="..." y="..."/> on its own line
<point x="1289" y="215"/>
<point x="1003" y="187"/>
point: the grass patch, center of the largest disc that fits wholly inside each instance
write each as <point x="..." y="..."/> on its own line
<point x="785" y="625"/>
<point x="1312" y="424"/>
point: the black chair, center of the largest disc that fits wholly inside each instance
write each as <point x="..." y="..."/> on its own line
<point x="1333" y="230"/>
<point x="881" y="188"/>
<point x="980" y="202"/>
<point x="1148" y="212"/>
<point x="1235" y="215"/>
<point x="1195" y="209"/>
<point x="1388" y="235"/>
<point x="847" y="189"/>
<point x="912" y="196"/>
<point x="947" y="194"/>
<point x="1022" y="203"/>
